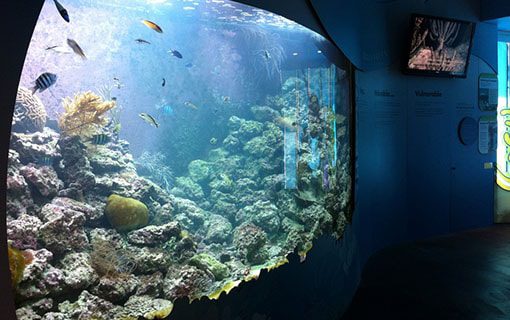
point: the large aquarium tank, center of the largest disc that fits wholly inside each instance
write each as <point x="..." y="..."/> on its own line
<point x="165" y="150"/>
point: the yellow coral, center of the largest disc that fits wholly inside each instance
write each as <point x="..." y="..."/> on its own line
<point x="18" y="260"/>
<point x="84" y="114"/>
<point x="277" y="264"/>
<point x="227" y="287"/>
<point x="159" y="314"/>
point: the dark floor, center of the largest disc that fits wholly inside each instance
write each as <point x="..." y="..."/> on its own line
<point x="462" y="276"/>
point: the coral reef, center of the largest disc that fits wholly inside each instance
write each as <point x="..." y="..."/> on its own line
<point x="44" y="179"/>
<point x="186" y="281"/>
<point x="249" y="241"/>
<point x="40" y="278"/>
<point x="62" y="223"/>
<point x="84" y="114"/>
<point x="126" y="214"/>
<point x="78" y="273"/>
<point x="29" y="112"/>
<point x="219" y="229"/>
<point x="123" y="239"/>
<point x="152" y="235"/>
<point x="23" y="232"/>
<point x="206" y="262"/>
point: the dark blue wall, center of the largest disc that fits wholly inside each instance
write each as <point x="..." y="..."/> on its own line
<point x="493" y="9"/>
<point x="415" y="178"/>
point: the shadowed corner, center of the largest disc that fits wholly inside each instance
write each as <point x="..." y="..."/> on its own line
<point x="20" y="16"/>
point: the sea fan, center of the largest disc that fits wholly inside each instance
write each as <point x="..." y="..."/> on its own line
<point x="84" y="114"/>
<point x="153" y="166"/>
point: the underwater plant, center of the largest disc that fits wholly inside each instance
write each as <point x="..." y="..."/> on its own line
<point x="109" y="261"/>
<point x="105" y="92"/>
<point x="84" y="114"/>
<point x="152" y="165"/>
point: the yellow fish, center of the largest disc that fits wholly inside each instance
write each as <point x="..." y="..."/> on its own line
<point x="152" y="25"/>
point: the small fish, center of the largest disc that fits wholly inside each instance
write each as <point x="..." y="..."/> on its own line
<point x="116" y="128"/>
<point x="114" y="99"/>
<point x="175" y="53"/>
<point x="62" y="11"/>
<point x="59" y="49"/>
<point x="142" y="41"/>
<point x="266" y="55"/>
<point x="44" y="81"/>
<point x="190" y="105"/>
<point x="189" y="65"/>
<point x="44" y="160"/>
<point x="213" y="141"/>
<point x="163" y="83"/>
<point x="225" y="98"/>
<point x="100" y="139"/>
<point x="149" y="119"/>
<point x="76" y="48"/>
<point x="152" y="25"/>
<point x="117" y="83"/>
<point x="286" y="122"/>
<point x="226" y="178"/>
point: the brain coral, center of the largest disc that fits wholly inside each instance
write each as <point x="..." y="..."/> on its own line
<point x="29" y="113"/>
<point x="126" y="214"/>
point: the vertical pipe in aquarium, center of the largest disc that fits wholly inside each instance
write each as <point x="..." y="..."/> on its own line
<point x="298" y="112"/>
<point x="289" y="158"/>
<point x="333" y="110"/>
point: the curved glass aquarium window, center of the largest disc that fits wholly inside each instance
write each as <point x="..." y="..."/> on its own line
<point x="169" y="149"/>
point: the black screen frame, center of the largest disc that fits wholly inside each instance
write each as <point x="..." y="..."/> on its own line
<point x="430" y="73"/>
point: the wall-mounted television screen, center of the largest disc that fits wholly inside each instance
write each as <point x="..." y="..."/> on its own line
<point x="439" y="46"/>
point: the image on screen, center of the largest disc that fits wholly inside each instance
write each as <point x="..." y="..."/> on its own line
<point x="439" y="46"/>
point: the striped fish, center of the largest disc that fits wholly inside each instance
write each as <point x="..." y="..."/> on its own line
<point x="44" y="160"/>
<point x="100" y="139"/>
<point x="44" y="81"/>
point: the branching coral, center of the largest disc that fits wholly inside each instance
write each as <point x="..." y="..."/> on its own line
<point x="84" y="114"/>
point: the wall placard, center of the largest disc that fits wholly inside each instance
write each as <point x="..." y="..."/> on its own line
<point x="488" y="92"/>
<point x="487" y="134"/>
